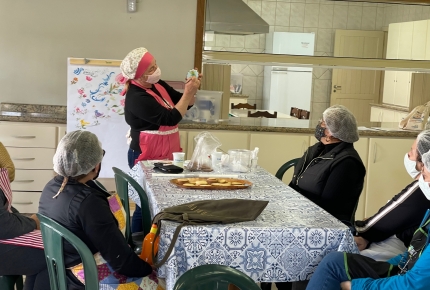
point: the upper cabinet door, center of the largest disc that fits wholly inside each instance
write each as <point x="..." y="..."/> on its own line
<point x="419" y="40"/>
<point x="402" y="91"/>
<point x="393" y="40"/>
<point x="405" y="40"/>
<point x="389" y="87"/>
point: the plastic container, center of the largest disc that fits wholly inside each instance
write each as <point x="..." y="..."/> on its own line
<point x="146" y="254"/>
<point x="207" y="107"/>
<point x="239" y="160"/>
<point x="236" y="81"/>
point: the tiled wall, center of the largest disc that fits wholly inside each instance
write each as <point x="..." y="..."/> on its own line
<point x="320" y="17"/>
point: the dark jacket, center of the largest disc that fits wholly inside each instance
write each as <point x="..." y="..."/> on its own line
<point x="85" y="212"/>
<point x="13" y="224"/>
<point x="331" y="176"/>
<point x="401" y="216"/>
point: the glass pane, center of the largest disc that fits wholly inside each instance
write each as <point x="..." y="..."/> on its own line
<point x="319" y="28"/>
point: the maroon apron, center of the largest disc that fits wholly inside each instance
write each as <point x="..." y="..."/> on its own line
<point x="159" y="144"/>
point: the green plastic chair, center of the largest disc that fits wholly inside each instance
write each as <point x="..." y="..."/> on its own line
<point x="10" y="282"/>
<point x="281" y="171"/>
<point x="122" y="180"/>
<point x="213" y="277"/>
<point x="53" y="234"/>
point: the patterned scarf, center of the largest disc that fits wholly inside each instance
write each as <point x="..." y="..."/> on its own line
<point x="5" y="187"/>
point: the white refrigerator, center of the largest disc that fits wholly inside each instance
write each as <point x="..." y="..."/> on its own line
<point x="286" y="87"/>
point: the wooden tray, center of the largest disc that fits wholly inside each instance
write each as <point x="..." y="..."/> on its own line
<point x="213" y="182"/>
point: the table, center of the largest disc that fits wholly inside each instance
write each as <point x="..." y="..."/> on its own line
<point x="285" y="243"/>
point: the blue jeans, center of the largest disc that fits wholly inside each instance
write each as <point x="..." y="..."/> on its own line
<point x="136" y="221"/>
<point x="330" y="273"/>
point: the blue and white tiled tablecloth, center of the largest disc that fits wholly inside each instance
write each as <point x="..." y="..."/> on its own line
<point x="285" y="243"/>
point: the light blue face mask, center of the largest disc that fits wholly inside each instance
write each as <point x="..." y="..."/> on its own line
<point x="410" y="166"/>
<point x="424" y="186"/>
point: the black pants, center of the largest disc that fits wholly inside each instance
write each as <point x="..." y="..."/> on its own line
<point x="17" y="260"/>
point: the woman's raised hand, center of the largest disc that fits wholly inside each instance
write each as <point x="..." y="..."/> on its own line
<point x="191" y="86"/>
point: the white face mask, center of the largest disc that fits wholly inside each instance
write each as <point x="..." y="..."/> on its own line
<point x="424" y="186"/>
<point x="155" y="77"/>
<point x="410" y="166"/>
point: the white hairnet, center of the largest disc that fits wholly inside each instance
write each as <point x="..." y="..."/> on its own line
<point x="423" y="142"/>
<point x="341" y="123"/>
<point x="426" y="160"/>
<point x="78" y="153"/>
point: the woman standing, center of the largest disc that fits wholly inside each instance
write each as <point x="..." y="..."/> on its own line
<point x="153" y="110"/>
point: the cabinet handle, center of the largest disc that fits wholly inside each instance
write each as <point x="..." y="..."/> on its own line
<point x="23" y="202"/>
<point x="28" y="158"/>
<point x="25" y="137"/>
<point x="374" y="152"/>
<point x="25" y="180"/>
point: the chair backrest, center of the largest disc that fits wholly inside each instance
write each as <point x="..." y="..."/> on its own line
<point x="281" y="171"/>
<point x="10" y="282"/>
<point x="244" y="106"/>
<point x="295" y="112"/>
<point x="264" y="114"/>
<point x="122" y="180"/>
<point x="99" y="184"/>
<point x="304" y="114"/>
<point x="214" y="277"/>
<point x="53" y="235"/>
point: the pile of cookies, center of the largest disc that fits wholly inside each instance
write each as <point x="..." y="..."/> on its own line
<point x="209" y="182"/>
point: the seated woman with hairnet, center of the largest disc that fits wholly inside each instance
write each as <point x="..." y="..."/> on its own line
<point x="72" y="199"/>
<point x="409" y="270"/>
<point x="331" y="172"/>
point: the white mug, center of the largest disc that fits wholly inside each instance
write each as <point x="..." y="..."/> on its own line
<point x="178" y="159"/>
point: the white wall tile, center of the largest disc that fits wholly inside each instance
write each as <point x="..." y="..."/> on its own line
<point x="368" y="20"/>
<point x="379" y="18"/>
<point x="222" y="40"/>
<point x="297" y="15"/>
<point x="296" y="29"/>
<point x="256" y="6"/>
<point x="282" y="28"/>
<point x="326" y="16"/>
<point x="318" y="109"/>
<point x="321" y="88"/>
<point x="268" y="12"/>
<point x="257" y="69"/>
<point x="247" y="71"/>
<point x="255" y="50"/>
<point x="252" y="41"/>
<point x="237" y="41"/>
<point x="325" y="40"/>
<point x="262" y="41"/>
<point x="312" y="1"/>
<point x="311" y="15"/>
<point x="340" y="16"/>
<point x="354" y="17"/>
<point x="282" y="14"/>
<point x="249" y="86"/>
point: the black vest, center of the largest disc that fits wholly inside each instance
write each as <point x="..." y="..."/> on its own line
<point x="314" y="168"/>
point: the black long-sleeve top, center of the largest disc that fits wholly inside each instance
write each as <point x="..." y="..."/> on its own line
<point x="85" y="212"/>
<point x="13" y="224"/>
<point x="401" y="216"/>
<point x="332" y="176"/>
<point x="143" y="112"/>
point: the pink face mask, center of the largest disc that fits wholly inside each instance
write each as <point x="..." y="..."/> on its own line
<point x="155" y="77"/>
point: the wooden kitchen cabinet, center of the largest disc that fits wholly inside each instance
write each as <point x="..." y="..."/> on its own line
<point x="31" y="147"/>
<point x="362" y="147"/>
<point x="378" y="114"/>
<point x="393" y="41"/>
<point x="386" y="174"/>
<point x="183" y="141"/>
<point x="419" y="40"/>
<point x="405" y="40"/>
<point x="278" y="148"/>
<point x="397" y="88"/>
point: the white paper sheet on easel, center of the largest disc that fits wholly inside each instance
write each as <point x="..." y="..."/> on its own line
<point x="94" y="104"/>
